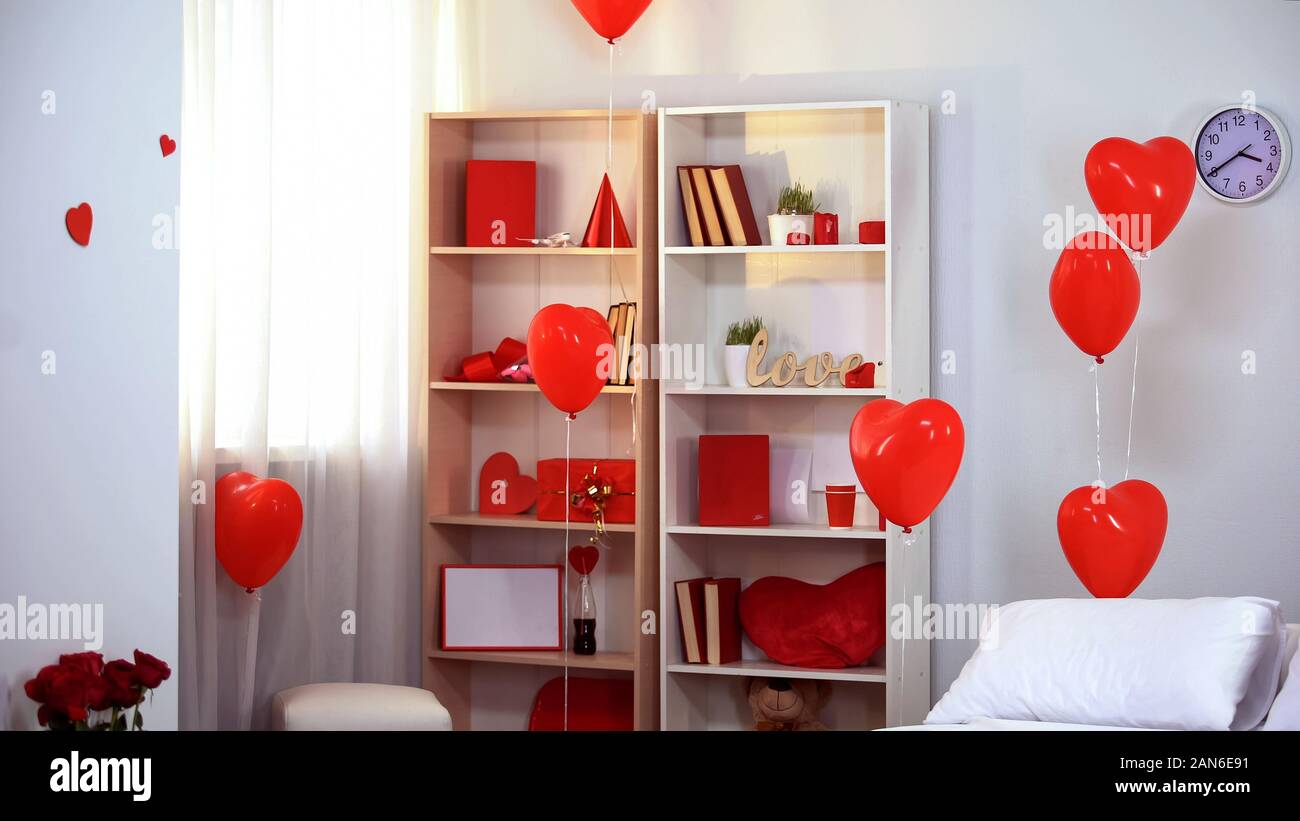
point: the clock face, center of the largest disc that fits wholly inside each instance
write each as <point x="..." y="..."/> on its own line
<point x="1241" y="154"/>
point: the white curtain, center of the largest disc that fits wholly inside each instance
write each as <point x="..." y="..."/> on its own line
<point x="303" y="242"/>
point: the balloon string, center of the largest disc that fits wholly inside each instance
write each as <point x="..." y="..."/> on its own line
<point x="609" y="170"/>
<point x="902" y="655"/>
<point x="564" y="558"/>
<point x="1132" y="398"/>
<point x="1096" y="391"/>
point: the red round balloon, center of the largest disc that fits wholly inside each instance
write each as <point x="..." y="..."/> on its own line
<point x="1095" y="293"/>
<point x="611" y="18"/>
<point x="906" y="456"/>
<point x="1141" y="189"/>
<point x="258" y="524"/>
<point x="571" y="352"/>
<point x="1112" y="536"/>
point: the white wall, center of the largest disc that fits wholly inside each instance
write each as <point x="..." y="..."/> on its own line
<point x="88" y="454"/>
<point x="1036" y="84"/>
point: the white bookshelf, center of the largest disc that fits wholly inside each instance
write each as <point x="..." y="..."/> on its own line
<point x="865" y="161"/>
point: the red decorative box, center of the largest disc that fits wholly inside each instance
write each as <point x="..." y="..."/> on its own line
<point x="734" y="489"/>
<point x="500" y="202"/>
<point x="620" y="507"/>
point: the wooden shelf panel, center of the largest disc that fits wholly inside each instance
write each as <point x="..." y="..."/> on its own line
<point x="515" y="387"/>
<point x="541" y="658"/>
<point x="521" y="521"/>
<point x="526" y="115"/>
<point x="686" y="389"/>
<point x="688" y="250"/>
<point x="510" y="251"/>
<point x="788" y="531"/>
<point x="765" y="667"/>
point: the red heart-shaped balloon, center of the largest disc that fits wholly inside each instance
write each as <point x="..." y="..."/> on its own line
<point x="501" y="487"/>
<point x="78" y="221"/>
<point x="1112" y="536"/>
<point x="571" y="353"/>
<point x="817" y="625"/>
<point x="584" y="558"/>
<point x="1141" y="189"/>
<point x="1095" y="293"/>
<point x="167" y="144"/>
<point x="258" y="524"/>
<point x="906" y="456"/>
<point x="611" y="18"/>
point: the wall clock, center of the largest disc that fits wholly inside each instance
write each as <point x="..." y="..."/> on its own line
<point x="1242" y="154"/>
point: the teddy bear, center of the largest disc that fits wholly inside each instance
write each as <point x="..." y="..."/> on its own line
<point x="787" y="704"/>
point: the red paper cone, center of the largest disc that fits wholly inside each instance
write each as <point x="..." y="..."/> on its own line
<point x="603" y="214"/>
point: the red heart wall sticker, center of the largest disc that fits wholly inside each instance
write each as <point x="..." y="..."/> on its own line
<point x="502" y="490"/>
<point x="78" y="221"/>
<point x="1111" y="537"/>
<point x="817" y="625"/>
<point x="167" y="144"/>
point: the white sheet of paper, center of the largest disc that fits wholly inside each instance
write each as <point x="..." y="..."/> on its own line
<point x="790" y="492"/>
<point x="502" y="607"/>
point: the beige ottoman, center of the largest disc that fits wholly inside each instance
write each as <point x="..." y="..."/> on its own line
<point x="357" y="707"/>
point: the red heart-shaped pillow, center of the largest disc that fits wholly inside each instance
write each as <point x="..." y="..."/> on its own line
<point x="817" y="625"/>
<point x="502" y="490"/>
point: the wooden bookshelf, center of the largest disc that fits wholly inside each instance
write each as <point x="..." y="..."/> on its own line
<point x="477" y="296"/>
<point x="866" y="161"/>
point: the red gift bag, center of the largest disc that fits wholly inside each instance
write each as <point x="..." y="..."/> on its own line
<point x="616" y="475"/>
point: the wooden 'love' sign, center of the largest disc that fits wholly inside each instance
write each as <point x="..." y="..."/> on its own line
<point x="816" y="370"/>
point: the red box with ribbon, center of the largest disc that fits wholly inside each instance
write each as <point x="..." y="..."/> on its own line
<point x="610" y="483"/>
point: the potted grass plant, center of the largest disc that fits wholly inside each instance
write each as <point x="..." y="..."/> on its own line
<point x="794" y="214"/>
<point x="740" y="335"/>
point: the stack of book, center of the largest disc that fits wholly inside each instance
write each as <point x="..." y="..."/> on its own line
<point x="710" y="620"/>
<point x="622" y="326"/>
<point x="717" y="207"/>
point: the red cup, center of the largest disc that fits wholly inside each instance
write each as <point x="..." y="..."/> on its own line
<point x="840" y="502"/>
<point x="826" y="229"/>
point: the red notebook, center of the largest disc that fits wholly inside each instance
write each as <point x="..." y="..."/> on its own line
<point x="690" y="607"/>
<point x="500" y="202"/>
<point x="734" y="481"/>
<point x="722" y="620"/>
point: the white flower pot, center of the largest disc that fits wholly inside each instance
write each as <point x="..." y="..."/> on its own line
<point x="780" y="226"/>
<point x="735" y="364"/>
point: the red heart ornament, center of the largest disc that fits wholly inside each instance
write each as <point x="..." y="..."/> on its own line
<point x="79" y="220"/>
<point x="167" y="144"/>
<point x="906" y="456"/>
<point x="1095" y="293"/>
<point x="584" y="558"/>
<point x="817" y="625"/>
<point x="502" y="490"/>
<point x="258" y="524"/>
<point x="1141" y="189"/>
<point x="1112" y="536"/>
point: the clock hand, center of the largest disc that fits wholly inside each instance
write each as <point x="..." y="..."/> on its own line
<point x="1214" y="172"/>
<point x="1251" y="157"/>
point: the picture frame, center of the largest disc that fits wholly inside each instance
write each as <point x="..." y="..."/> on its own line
<point x="515" y="607"/>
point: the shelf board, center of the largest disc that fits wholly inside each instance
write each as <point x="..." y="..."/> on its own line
<point x="765" y="667"/>
<point x="540" y="115"/>
<point x="541" y="658"/>
<point x="685" y="388"/>
<point x="515" y="387"/>
<point x="788" y="531"/>
<point x="523" y="521"/>
<point x="512" y="251"/>
<point x="687" y="250"/>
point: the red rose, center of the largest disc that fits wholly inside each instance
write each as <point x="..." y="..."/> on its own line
<point x="120" y="688"/>
<point x="150" y="671"/>
<point x="92" y="663"/>
<point x="65" y="691"/>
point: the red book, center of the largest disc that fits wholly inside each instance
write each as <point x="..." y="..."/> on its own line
<point x="722" y="620"/>
<point x="734" y="206"/>
<point x="734" y="481"/>
<point x="690" y="608"/>
<point x="500" y="202"/>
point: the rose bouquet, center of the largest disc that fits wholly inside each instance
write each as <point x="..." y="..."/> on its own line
<point x="82" y="692"/>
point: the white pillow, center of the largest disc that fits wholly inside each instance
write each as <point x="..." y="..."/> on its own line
<point x="1193" y="664"/>
<point x="1285" y="714"/>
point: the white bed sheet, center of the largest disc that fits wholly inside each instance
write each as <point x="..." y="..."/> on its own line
<point x="1005" y="724"/>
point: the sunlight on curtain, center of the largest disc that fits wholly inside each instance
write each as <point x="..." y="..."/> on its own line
<point x="303" y="299"/>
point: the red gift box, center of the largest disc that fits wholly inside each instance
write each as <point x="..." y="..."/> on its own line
<point x="620" y="474"/>
<point x="871" y="232"/>
<point x="500" y="202"/>
<point x="734" y="480"/>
